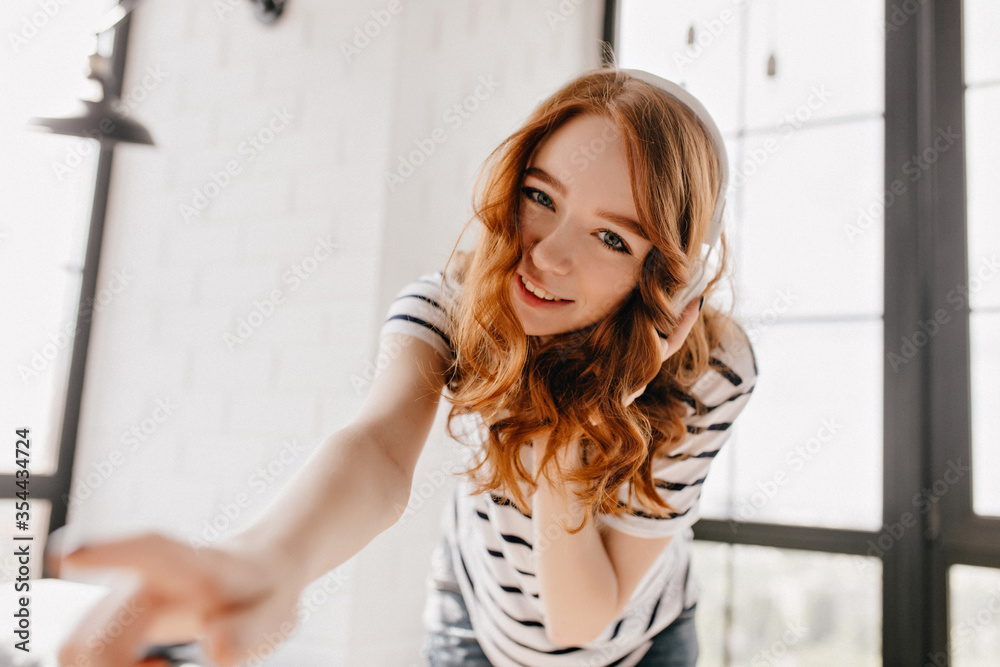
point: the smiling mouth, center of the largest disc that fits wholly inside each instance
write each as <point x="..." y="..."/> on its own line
<point x="534" y="298"/>
<point x="538" y="291"/>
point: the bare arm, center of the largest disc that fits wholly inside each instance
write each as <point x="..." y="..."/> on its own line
<point x="586" y="579"/>
<point x="578" y="586"/>
<point x="357" y="483"/>
<point x="245" y="590"/>
<point x="345" y="494"/>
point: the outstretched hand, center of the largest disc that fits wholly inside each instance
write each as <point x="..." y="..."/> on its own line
<point x="674" y="342"/>
<point x="228" y="598"/>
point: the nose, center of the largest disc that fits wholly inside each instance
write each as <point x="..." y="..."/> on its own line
<point x="552" y="251"/>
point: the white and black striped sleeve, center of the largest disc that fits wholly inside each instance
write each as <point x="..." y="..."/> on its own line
<point x="725" y="389"/>
<point x="418" y="310"/>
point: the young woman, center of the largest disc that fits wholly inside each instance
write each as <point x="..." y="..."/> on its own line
<point x="591" y="388"/>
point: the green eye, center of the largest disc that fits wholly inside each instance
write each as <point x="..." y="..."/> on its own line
<point x="538" y="197"/>
<point x="617" y="243"/>
<point x="620" y="247"/>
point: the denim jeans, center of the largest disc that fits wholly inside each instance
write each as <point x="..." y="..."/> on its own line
<point x="450" y="641"/>
<point x="675" y="645"/>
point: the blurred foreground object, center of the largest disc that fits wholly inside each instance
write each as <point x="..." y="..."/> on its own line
<point x="57" y="607"/>
<point x="105" y="119"/>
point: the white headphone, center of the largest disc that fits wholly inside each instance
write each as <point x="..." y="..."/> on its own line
<point x="700" y="272"/>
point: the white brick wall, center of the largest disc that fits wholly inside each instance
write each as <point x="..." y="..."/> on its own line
<point x="338" y="124"/>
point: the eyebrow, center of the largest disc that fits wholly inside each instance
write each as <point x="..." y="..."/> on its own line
<point x="618" y="219"/>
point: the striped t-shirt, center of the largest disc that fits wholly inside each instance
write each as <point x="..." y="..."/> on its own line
<point x="491" y="539"/>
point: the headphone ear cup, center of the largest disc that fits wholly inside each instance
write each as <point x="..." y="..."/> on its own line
<point x="700" y="276"/>
<point x="700" y="272"/>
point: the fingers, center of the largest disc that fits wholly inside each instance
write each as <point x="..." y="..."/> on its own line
<point x="112" y="632"/>
<point x="690" y="313"/>
<point x="221" y="644"/>
<point x="164" y="563"/>
<point x="206" y="593"/>
<point x="631" y="399"/>
<point x="236" y="635"/>
<point x="689" y="316"/>
<point x="55" y="548"/>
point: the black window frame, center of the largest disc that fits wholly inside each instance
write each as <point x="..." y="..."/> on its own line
<point x="927" y="401"/>
<point x="55" y="487"/>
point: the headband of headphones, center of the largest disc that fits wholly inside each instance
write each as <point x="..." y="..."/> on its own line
<point x="700" y="277"/>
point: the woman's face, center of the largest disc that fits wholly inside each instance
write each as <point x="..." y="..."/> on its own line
<point x="579" y="227"/>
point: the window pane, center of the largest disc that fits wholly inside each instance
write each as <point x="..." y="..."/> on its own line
<point x="786" y="607"/>
<point x="822" y="464"/>
<point x="44" y="212"/>
<point x="811" y="221"/>
<point x="41" y="274"/>
<point x="655" y="38"/>
<point x="973" y="615"/>
<point x="828" y="60"/>
<point x="982" y="146"/>
<point x="982" y="27"/>
<point x="825" y="56"/>
<point x="982" y="289"/>
<point x="710" y="567"/>
<point x="805" y="218"/>
<point x="984" y="338"/>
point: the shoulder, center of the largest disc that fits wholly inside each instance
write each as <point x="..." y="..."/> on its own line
<point x="732" y="368"/>
<point x="421" y="308"/>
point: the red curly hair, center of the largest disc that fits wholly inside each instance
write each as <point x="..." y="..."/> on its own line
<point x="524" y="388"/>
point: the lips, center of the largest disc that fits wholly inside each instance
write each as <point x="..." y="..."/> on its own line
<point x="534" y="301"/>
<point x="538" y="285"/>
